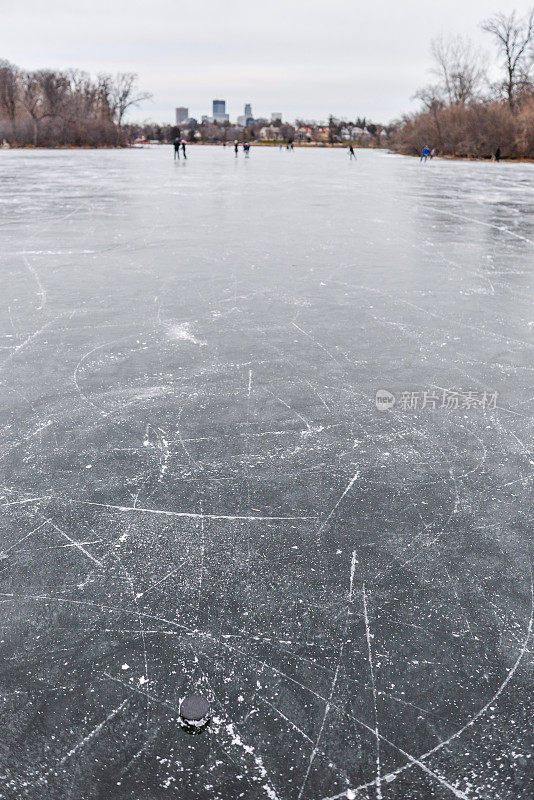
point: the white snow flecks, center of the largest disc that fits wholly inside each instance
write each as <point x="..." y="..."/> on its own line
<point x="237" y="741"/>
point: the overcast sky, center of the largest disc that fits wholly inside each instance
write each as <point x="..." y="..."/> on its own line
<point x="306" y="58"/>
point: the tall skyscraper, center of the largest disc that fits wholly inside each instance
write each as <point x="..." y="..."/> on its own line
<point x="246" y="118"/>
<point x="182" y="114"/>
<point x="219" y="110"/>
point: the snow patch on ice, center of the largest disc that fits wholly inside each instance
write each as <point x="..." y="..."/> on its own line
<point x="312" y="431"/>
<point x="183" y="333"/>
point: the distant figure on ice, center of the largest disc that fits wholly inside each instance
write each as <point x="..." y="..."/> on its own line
<point x="176" y="149"/>
<point x="236" y="148"/>
<point x="246" y="148"/>
<point x="352" y="154"/>
<point x="498" y="154"/>
<point x="183" y="148"/>
<point x="425" y="153"/>
<point x="433" y="152"/>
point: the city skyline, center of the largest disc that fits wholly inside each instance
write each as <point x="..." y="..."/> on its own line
<point x="219" y="114"/>
<point x="306" y="60"/>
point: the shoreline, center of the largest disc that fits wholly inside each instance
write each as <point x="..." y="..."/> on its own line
<point x="253" y="143"/>
<point x="296" y="145"/>
<point x="473" y="159"/>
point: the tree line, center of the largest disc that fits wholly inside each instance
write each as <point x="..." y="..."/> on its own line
<point x="48" y="108"/>
<point x="464" y="112"/>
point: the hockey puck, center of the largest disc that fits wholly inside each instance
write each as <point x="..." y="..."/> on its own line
<point x="195" y="711"/>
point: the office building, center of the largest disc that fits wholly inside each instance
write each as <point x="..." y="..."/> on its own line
<point x="181" y="114"/>
<point x="246" y="118"/>
<point x="219" y="110"/>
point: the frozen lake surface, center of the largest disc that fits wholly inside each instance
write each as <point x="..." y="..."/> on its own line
<point x="200" y="494"/>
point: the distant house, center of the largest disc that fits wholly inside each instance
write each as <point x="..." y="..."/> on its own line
<point x="362" y="134"/>
<point x="304" y="134"/>
<point x="322" y="134"/>
<point x="269" y="132"/>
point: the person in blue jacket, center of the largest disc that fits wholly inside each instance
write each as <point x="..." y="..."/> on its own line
<point x="425" y="153"/>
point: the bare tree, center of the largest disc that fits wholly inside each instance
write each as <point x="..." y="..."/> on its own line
<point x="333" y="129"/>
<point x="83" y="94"/>
<point x="513" y="36"/>
<point x="375" y="131"/>
<point x="9" y="90"/>
<point x="54" y="88"/>
<point x="81" y="109"/>
<point x="44" y="94"/>
<point x="123" y="94"/>
<point x="458" y="67"/>
<point x="431" y="96"/>
<point x="32" y="101"/>
<point x="105" y="91"/>
<point x="433" y="102"/>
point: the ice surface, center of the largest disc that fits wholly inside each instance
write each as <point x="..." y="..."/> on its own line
<point x="198" y="493"/>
